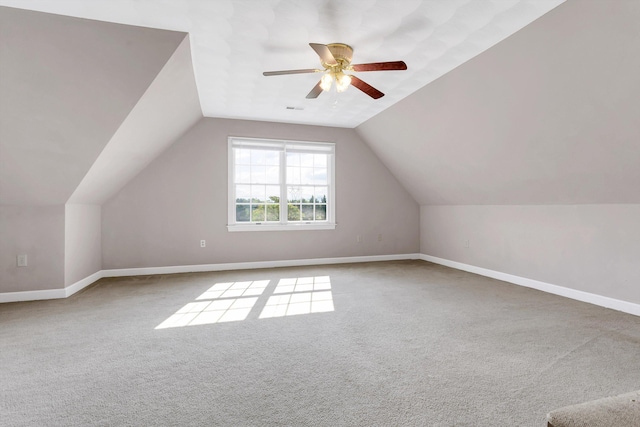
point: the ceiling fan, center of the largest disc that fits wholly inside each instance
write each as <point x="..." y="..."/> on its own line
<point x="336" y="59"/>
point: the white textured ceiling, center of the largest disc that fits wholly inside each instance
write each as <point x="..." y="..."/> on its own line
<point x="234" y="41"/>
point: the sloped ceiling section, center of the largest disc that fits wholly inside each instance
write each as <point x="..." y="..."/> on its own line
<point x="168" y="108"/>
<point x="66" y="85"/>
<point x="548" y="116"/>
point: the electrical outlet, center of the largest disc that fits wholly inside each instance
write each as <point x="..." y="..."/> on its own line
<point x="359" y="238"/>
<point x="466" y="243"/>
<point x="21" y="260"/>
<point x="379" y="237"/>
<point x="203" y="243"/>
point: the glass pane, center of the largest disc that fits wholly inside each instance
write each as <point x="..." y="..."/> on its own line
<point x="320" y="160"/>
<point x="242" y="213"/>
<point x="293" y="159"/>
<point x="293" y="175"/>
<point x="306" y="195"/>
<point x="273" y="175"/>
<point x="293" y="213"/>
<point x="306" y="176"/>
<point x="258" y="194"/>
<point x="320" y="176"/>
<point x="293" y="194"/>
<point x="321" y="194"/>
<point x="243" y="156"/>
<point x="243" y="174"/>
<point x="273" y="212"/>
<point x="258" y="174"/>
<point x="307" y="212"/>
<point x="258" y="213"/>
<point x="306" y="160"/>
<point x="243" y="193"/>
<point x="321" y="212"/>
<point x="273" y="194"/>
<point x="271" y="158"/>
<point x="258" y="157"/>
<point x="257" y="185"/>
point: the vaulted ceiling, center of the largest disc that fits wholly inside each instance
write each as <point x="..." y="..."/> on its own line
<point x="488" y="112"/>
<point x="234" y="41"/>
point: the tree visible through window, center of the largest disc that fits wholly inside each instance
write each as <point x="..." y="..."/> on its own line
<point x="280" y="184"/>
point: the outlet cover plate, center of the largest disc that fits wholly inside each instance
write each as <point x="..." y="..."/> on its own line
<point x="21" y="260"/>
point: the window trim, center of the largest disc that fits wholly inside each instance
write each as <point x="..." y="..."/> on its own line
<point x="284" y="224"/>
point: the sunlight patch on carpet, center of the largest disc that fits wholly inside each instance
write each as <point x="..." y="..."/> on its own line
<point x="302" y="295"/>
<point x="234" y="301"/>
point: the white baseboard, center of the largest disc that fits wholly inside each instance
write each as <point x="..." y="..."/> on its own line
<point x="253" y="265"/>
<point x="615" y="304"/>
<point x="51" y="293"/>
<point x="32" y="295"/>
<point x="81" y="284"/>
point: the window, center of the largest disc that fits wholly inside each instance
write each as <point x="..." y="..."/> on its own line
<point x="281" y="185"/>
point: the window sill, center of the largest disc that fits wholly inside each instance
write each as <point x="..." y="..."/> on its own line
<point x="281" y="227"/>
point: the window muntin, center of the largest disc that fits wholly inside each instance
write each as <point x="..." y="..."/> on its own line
<point x="280" y="185"/>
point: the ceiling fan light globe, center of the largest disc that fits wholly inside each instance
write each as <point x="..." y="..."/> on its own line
<point x="342" y="82"/>
<point x="326" y="81"/>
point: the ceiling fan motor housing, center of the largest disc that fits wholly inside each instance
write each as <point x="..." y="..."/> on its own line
<point x="343" y="53"/>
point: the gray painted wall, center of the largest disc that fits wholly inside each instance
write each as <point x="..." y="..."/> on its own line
<point x="532" y="152"/>
<point x="37" y="232"/>
<point x="66" y="85"/>
<point x="548" y="116"/>
<point x="168" y="108"/>
<point x="591" y="248"/>
<point x="159" y="218"/>
<point x="82" y="242"/>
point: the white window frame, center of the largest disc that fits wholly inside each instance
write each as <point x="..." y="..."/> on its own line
<point x="282" y="146"/>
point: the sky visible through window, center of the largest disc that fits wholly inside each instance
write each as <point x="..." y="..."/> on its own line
<point x="257" y="186"/>
<point x="234" y="301"/>
<point x="280" y="183"/>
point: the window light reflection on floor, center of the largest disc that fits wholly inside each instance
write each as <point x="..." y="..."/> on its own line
<point x="235" y="289"/>
<point x="233" y="301"/>
<point x="303" y="284"/>
<point x="302" y="303"/>
<point x="302" y="295"/>
<point x="209" y="308"/>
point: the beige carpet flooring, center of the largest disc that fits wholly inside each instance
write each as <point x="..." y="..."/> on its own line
<point x="405" y="343"/>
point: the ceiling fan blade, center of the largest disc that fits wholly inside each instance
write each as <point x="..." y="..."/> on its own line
<point x="317" y="90"/>
<point x="324" y="53"/>
<point x="280" y="73"/>
<point x="380" y="66"/>
<point x="366" y="88"/>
